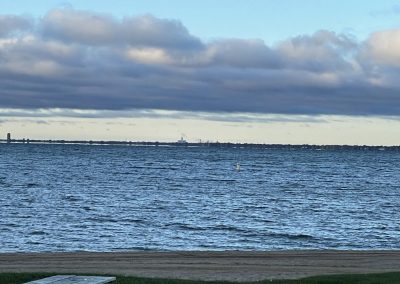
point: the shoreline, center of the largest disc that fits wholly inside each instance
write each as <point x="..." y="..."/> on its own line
<point x="184" y="144"/>
<point x="207" y="265"/>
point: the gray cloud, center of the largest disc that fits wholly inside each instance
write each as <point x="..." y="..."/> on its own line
<point x="243" y="54"/>
<point x="321" y="52"/>
<point x="11" y="23"/>
<point x="73" y="59"/>
<point x="87" y="28"/>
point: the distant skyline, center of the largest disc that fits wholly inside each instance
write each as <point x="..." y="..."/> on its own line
<point x="315" y="72"/>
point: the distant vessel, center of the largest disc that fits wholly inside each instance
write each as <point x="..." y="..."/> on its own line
<point x="237" y="167"/>
<point x="181" y="141"/>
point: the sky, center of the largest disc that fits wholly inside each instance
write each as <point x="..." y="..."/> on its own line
<point x="256" y="71"/>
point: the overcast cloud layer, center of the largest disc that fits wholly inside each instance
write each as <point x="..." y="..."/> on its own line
<point x="82" y="60"/>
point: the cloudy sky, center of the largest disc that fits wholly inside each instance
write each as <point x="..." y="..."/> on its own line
<point x="289" y="71"/>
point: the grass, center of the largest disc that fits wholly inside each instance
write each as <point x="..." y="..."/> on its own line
<point x="378" y="278"/>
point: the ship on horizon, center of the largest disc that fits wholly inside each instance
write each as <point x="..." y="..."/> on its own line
<point x="181" y="141"/>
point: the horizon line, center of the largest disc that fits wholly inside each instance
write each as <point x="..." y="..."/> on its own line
<point x="183" y="143"/>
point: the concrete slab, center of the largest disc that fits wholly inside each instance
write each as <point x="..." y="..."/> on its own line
<point x="73" y="279"/>
<point x="51" y="279"/>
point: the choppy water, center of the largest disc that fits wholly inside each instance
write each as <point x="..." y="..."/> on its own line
<point x="109" y="198"/>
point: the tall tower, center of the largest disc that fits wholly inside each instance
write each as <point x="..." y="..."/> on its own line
<point x="8" y="137"/>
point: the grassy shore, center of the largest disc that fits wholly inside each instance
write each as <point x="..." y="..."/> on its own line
<point x="378" y="278"/>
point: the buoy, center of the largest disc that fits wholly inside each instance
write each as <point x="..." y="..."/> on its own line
<point x="237" y="167"/>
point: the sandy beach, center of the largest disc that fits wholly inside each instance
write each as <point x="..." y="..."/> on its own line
<point x="231" y="265"/>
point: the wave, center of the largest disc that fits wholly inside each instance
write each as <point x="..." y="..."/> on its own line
<point x="38" y="233"/>
<point x="291" y="236"/>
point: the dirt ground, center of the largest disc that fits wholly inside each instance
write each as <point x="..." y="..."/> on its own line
<point x="230" y="265"/>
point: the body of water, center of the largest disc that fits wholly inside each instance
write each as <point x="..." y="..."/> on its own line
<point x="120" y="198"/>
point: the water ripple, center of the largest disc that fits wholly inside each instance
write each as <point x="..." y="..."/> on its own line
<point x="107" y="198"/>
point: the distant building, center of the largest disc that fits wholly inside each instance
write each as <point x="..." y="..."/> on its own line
<point x="8" y="137"/>
<point x="181" y="141"/>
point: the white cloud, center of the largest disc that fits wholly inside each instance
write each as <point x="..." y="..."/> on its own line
<point x="149" y="55"/>
<point x="384" y="48"/>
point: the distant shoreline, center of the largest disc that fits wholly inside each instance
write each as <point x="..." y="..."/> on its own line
<point x="204" y="144"/>
<point x="206" y="265"/>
